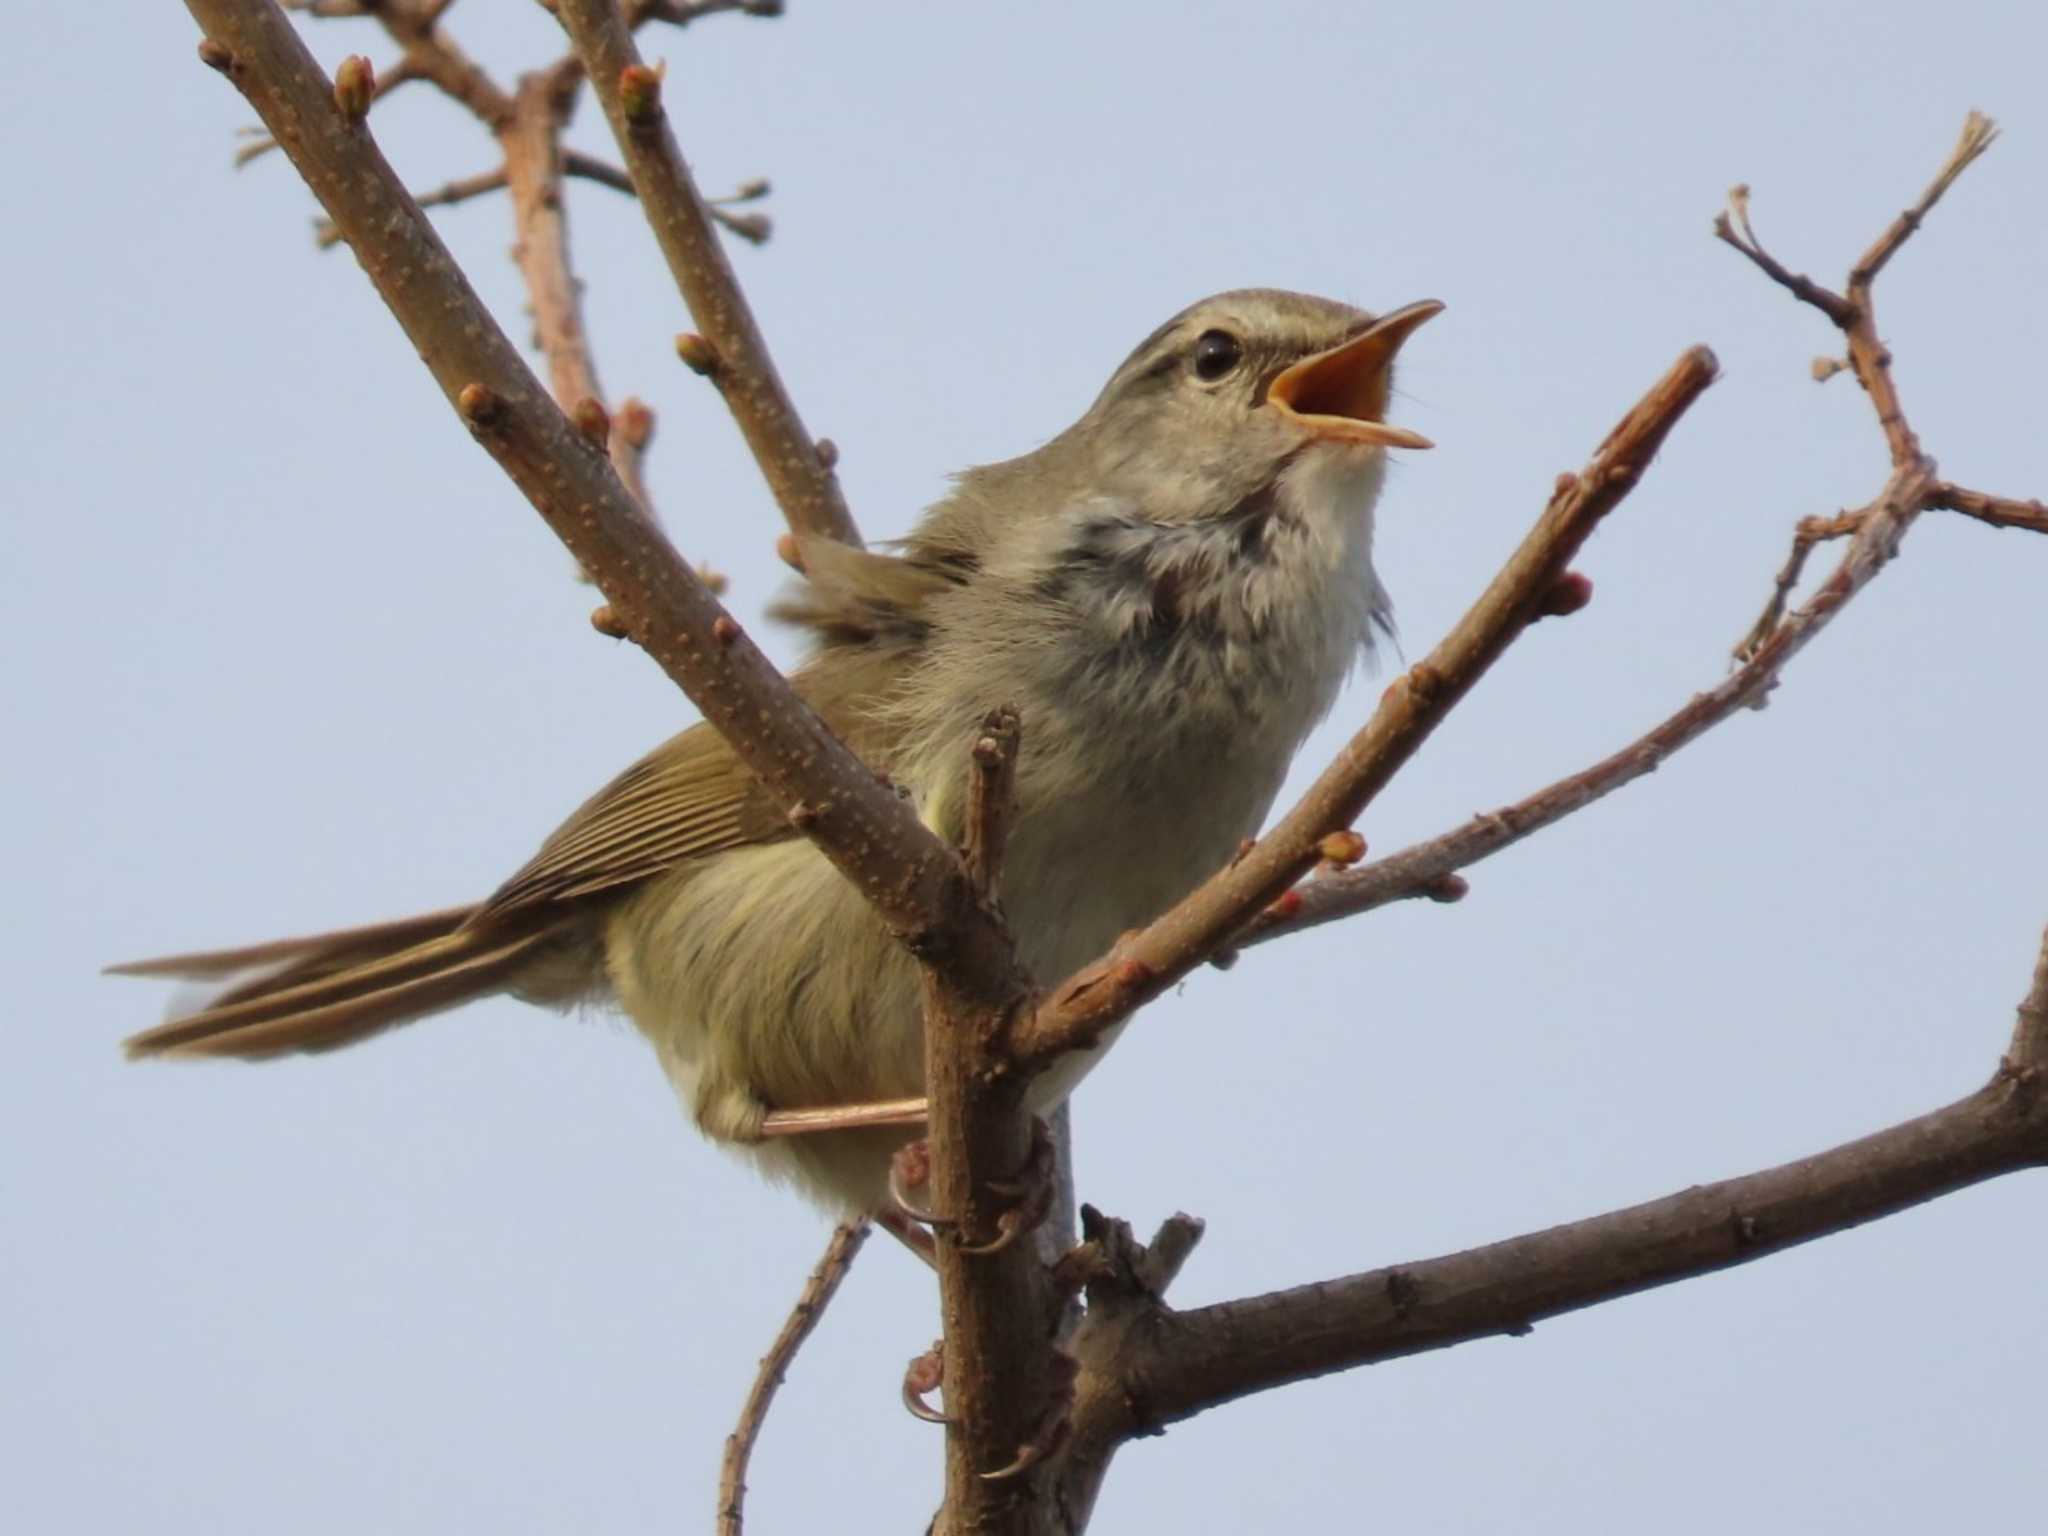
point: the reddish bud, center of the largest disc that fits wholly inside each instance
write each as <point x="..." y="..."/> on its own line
<point x="1131" y="972"/>
<point x="698" y="355"/>
<point x="355" y="87"/>
<point x="1342" y="849"/>
<point x="1568" y="594"/>
<point x="636" y="422"/>
<point x="639" y="92"/>
<point x="724" y="629"/>
<point x="215" y="55"/>
<point x="1284" y="906"/>
<point x="592" y="420"/>
<point x="1566" y="484"/>
<point x="606" y="621"/>
<point x="828" y="452"/>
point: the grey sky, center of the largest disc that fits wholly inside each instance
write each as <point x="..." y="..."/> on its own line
<point x="289" y="653"/>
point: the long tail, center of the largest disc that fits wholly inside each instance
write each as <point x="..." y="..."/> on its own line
<point x="333" y="989"/>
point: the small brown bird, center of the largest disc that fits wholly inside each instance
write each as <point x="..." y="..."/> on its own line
<point x="1171" y="591"/>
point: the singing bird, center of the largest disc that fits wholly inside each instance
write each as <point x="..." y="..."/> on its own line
<point x="1171" y="592"/>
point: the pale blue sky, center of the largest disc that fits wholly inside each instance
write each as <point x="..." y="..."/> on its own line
<point x="290" y="653"/>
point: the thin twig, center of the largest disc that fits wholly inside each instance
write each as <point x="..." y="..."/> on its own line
<point x="803" y="1318"/>
<point x="1809" y="532"/>
<point x="990" y="806"/>
<point x="1998" y="511"/>
<point x="2027" y="1056"/>
<point x="799" y="478"/>
<point x="325" y="234"/>
<point x="1080" y="1009"/>
<point x="531" y="138"/>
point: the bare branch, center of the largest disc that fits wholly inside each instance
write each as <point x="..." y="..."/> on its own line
<point x="1998" y="511"/>
<point x="916" y="884"/>
<point x="990" y="807"/>
<point x="325" y="234"/>
<point x="2027" y="1056"/>
<point x="810" y="1307"/>
<point x="1199" y="1359"/>
<point x="531" y="136"/>
<point x="802" y="483"/>
<point x="1875" y="532"/>
<point x="1107" y="991"/>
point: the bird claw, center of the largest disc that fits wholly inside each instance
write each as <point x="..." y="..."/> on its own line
<point x="925" y="1374"/>
<point x="1052" y="1428"/>
<point x="912" y="1165"/>
<point x="1031" y="1189"/>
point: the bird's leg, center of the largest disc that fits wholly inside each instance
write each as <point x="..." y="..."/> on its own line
<point x="842" y="1117"/>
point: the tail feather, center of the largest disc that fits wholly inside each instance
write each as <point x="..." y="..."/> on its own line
<point x="320" y="993"/>
<point x="344" y="946"/>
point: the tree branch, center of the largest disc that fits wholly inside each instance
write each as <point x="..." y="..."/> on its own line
<point x="799" y="478"/>
<point x="1078" y="1011"/>
<point x="915" y="883"/>
<point x="1195" y="1360"/>
<point x="1998" y="511"/>
<point x="804" y="1317"/>
<point x="1875" y="532"/>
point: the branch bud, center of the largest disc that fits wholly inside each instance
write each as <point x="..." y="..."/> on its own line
<point x="828" y="453"/>
<point x="355" y="87"/>
<point x="215" y="55"/>
<point x="725" y="629"/>
<point x="636" y="422"/>
<point x="477" y="404"/>
<point x="715" y="582"/>
<point x="697" y="353"/>
<point x="606" y="621"/>
<point x="789" y="552"/>
<point x="1342" y="849"/>
<point x="1568" y="594"/>
<point x="640" y="92"/>
<point x="592" y="420"/>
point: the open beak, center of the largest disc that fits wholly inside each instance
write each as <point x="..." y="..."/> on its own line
<point x="1340" y="395"/>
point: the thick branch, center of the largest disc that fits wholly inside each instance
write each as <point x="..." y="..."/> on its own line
<point x="995" y="1295"/>
<point x="915" y="883"/>
<point x="1077" y="1012"/>
<point x="802" y="483"/>
<point x="1196" y="1360"/>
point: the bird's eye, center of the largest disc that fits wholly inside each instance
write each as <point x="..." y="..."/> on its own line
<point x="1216" y="353"/>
